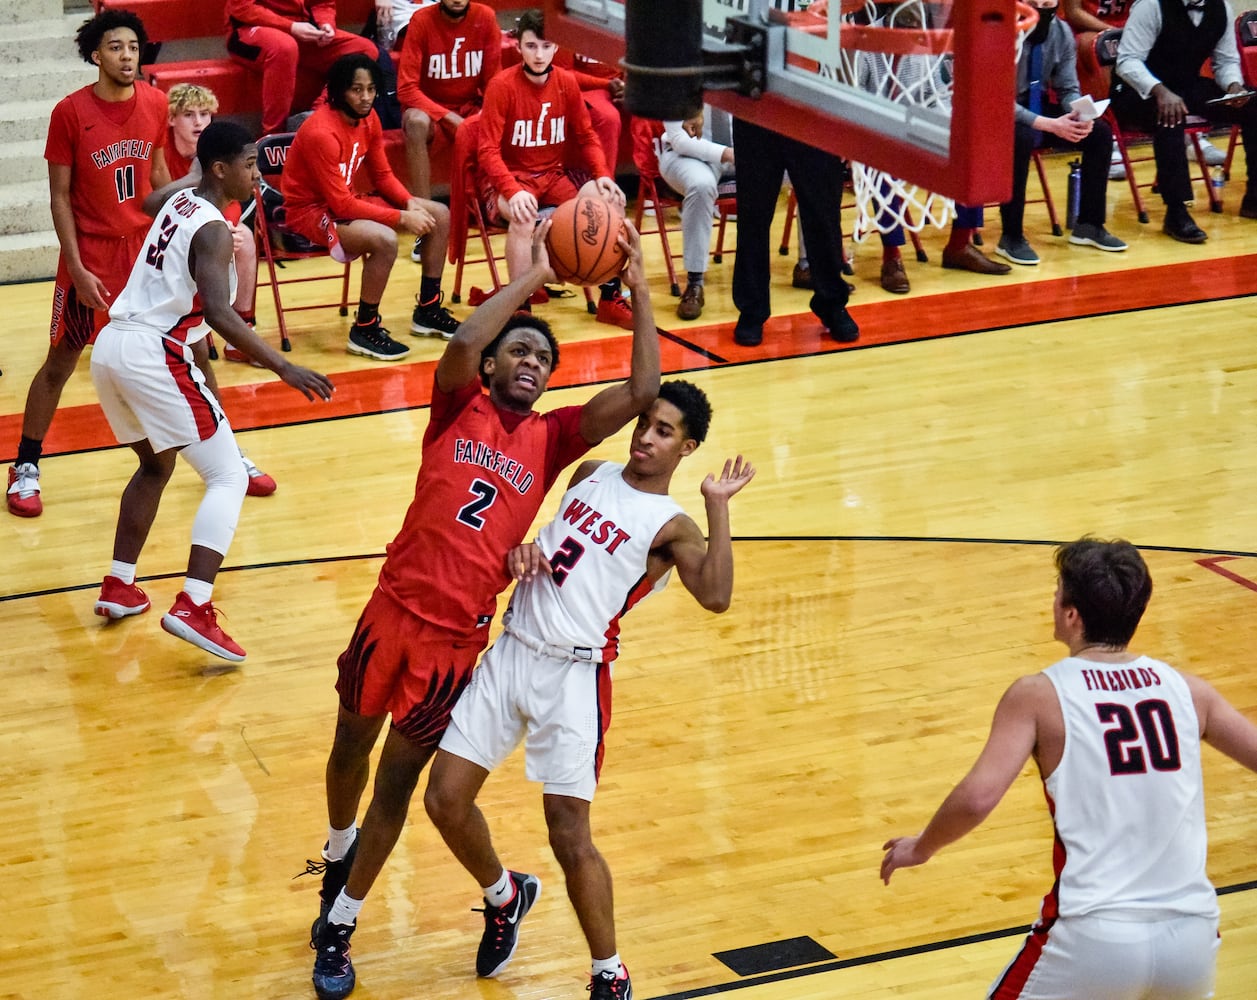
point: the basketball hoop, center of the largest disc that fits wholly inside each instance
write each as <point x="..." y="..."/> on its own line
<point x="897" y="57"/>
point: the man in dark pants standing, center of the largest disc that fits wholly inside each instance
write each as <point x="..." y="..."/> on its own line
<point x="763" y="156"/>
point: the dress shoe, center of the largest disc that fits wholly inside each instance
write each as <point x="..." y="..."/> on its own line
<point x="894" y="278"/>
<point x="842" y="327"/>
<point x="802" y="277"/>
<point x="747" y="333"/>
<point x="1248" y="207"/>
<point x="1179" y="225"/>
<point x="972" y="259"/>
<point x="692" y="302"/>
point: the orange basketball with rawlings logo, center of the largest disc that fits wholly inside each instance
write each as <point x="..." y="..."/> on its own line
<point x="582" y="242"/>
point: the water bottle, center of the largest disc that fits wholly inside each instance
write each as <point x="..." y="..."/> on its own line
<point x="1073" y="199"/>
<point x="1217" y="180"/>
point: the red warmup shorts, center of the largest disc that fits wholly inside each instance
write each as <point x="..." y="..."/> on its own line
<point x="397" y="663"/>
<point x="554" y="187"/>
<point x="320" y="228"/>
<point x="109" y="258"/>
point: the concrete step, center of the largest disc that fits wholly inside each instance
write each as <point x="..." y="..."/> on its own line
<point x="35" y="40"/>
<point x="39" y="78"/>
<point x="24" y="208"/>
<point x="22" y="161"/>
<point x="28" y="257"/>
<point x="22" y="121"/>
<point x="17" y="11"/>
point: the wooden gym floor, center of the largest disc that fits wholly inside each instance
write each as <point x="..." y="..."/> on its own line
<point x="893" y="576"/>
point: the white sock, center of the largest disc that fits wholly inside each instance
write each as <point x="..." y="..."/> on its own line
<point x="198" y="590"/>
<point x="501" y="892"/>
<point x="611" y="965"/>
<point x="344" y="910"/>
<point x="339" y="842"/>
<point x="123" y="571"/>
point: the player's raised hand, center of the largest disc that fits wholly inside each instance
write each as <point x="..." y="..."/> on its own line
<point x="736" y="474"/>
<point x="540" y="255"/>
<point x="526" y="561"/>
<point x="630" y="241"/>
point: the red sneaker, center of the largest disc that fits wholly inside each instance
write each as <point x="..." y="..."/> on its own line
<point x="260" y="484"/>
<point x="23" y="495"/>
<point x="616" y="311"/>
<point x="198" y="624"/>
<point x="235" y="354"/>
<point x="118" y="599"/>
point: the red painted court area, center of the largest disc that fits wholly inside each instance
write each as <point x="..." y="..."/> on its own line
<point x="921" y="317"/>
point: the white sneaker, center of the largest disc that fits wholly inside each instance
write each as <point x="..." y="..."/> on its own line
<point x="1214" y="157"/>
<point x="1117" y="169"/>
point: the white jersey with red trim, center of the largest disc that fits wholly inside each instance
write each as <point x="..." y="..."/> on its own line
<point x="160" y="295"/>
<point x="598" y="547"/>
<point x="1127" y="797"/>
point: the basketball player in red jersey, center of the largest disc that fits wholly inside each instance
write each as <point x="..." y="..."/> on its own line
<point x="452" y="50"/>
<point x="335" y="149"/>
<point x="535" y="124"/>
<point x="105" y="155"/>
<point x="487" y="462"/>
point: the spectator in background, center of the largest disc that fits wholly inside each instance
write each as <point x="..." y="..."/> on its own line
<point x="292" y="43"/>
<point x="537" y="149"/>
<point x="452" y="49"/>
<point x="334" y="145"/>
<point x="1159" y="60"/>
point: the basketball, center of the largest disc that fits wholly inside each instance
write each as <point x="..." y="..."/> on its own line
<point x="582" y="241"/>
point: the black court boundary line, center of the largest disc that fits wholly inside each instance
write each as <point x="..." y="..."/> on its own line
<point x="719" y="361"/>
<point x="882" y="956"/>
<point x="356" y="557"/>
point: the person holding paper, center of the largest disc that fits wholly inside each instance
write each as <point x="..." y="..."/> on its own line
<point x="1158" y="83"/>
<point x="1047" y="68"/>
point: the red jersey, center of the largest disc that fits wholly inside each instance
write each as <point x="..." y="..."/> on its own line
<point x="1112" y="12"/>
<point x="108" y="146"/>
<point x="482" y="478"/>
<point x="321" y="172"/>
<point x="446" y="65"/>
<point x="529" y="129"/>
<point x="281" y="14"/>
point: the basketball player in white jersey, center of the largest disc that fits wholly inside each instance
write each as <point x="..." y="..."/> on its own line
<point x="1116" y="737"/>
<point x="155" y="396"/>
<point x="547" y="680"/>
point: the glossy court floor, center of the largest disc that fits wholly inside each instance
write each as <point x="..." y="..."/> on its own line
<point x="894" y="574"/>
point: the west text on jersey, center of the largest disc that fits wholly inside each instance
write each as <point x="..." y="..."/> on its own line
<point x="601" y="530"/>
<point x="479" y="453"/>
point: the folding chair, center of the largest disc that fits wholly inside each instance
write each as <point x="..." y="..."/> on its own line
<point x="1246" y="41"/>
<point x="1197" y="129"/>
<point x="467" y="217"/>
<point x="279" y="245"/>
<point x="654" y="194"/>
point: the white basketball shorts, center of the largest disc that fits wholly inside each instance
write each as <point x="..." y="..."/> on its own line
<point x="560" y="708"/>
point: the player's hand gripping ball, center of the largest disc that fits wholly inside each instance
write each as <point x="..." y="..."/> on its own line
<point x="583" y="241"/>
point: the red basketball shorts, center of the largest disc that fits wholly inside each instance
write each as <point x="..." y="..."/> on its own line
<point x="400" y="664"/>
<point x="110" y="258"/>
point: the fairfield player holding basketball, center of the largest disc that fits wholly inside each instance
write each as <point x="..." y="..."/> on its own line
<point x="105" y="155"/>
<point x="535" y="124"/>
<point x="1116" y="737"/>
<point x="547" y="680"/>
<point x="488" y="460"/>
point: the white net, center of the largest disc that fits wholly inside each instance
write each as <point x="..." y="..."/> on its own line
<point x="899" y="55"/>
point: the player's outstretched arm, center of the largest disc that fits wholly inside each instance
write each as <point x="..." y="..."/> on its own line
<point x="616" y="405"/>
<point x="706" y="565"/>
<point x="460" y="363"/>
<point x="1011" y="741"/>
<point x="212" y="250"/>
<point x="1222" y="725"/>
